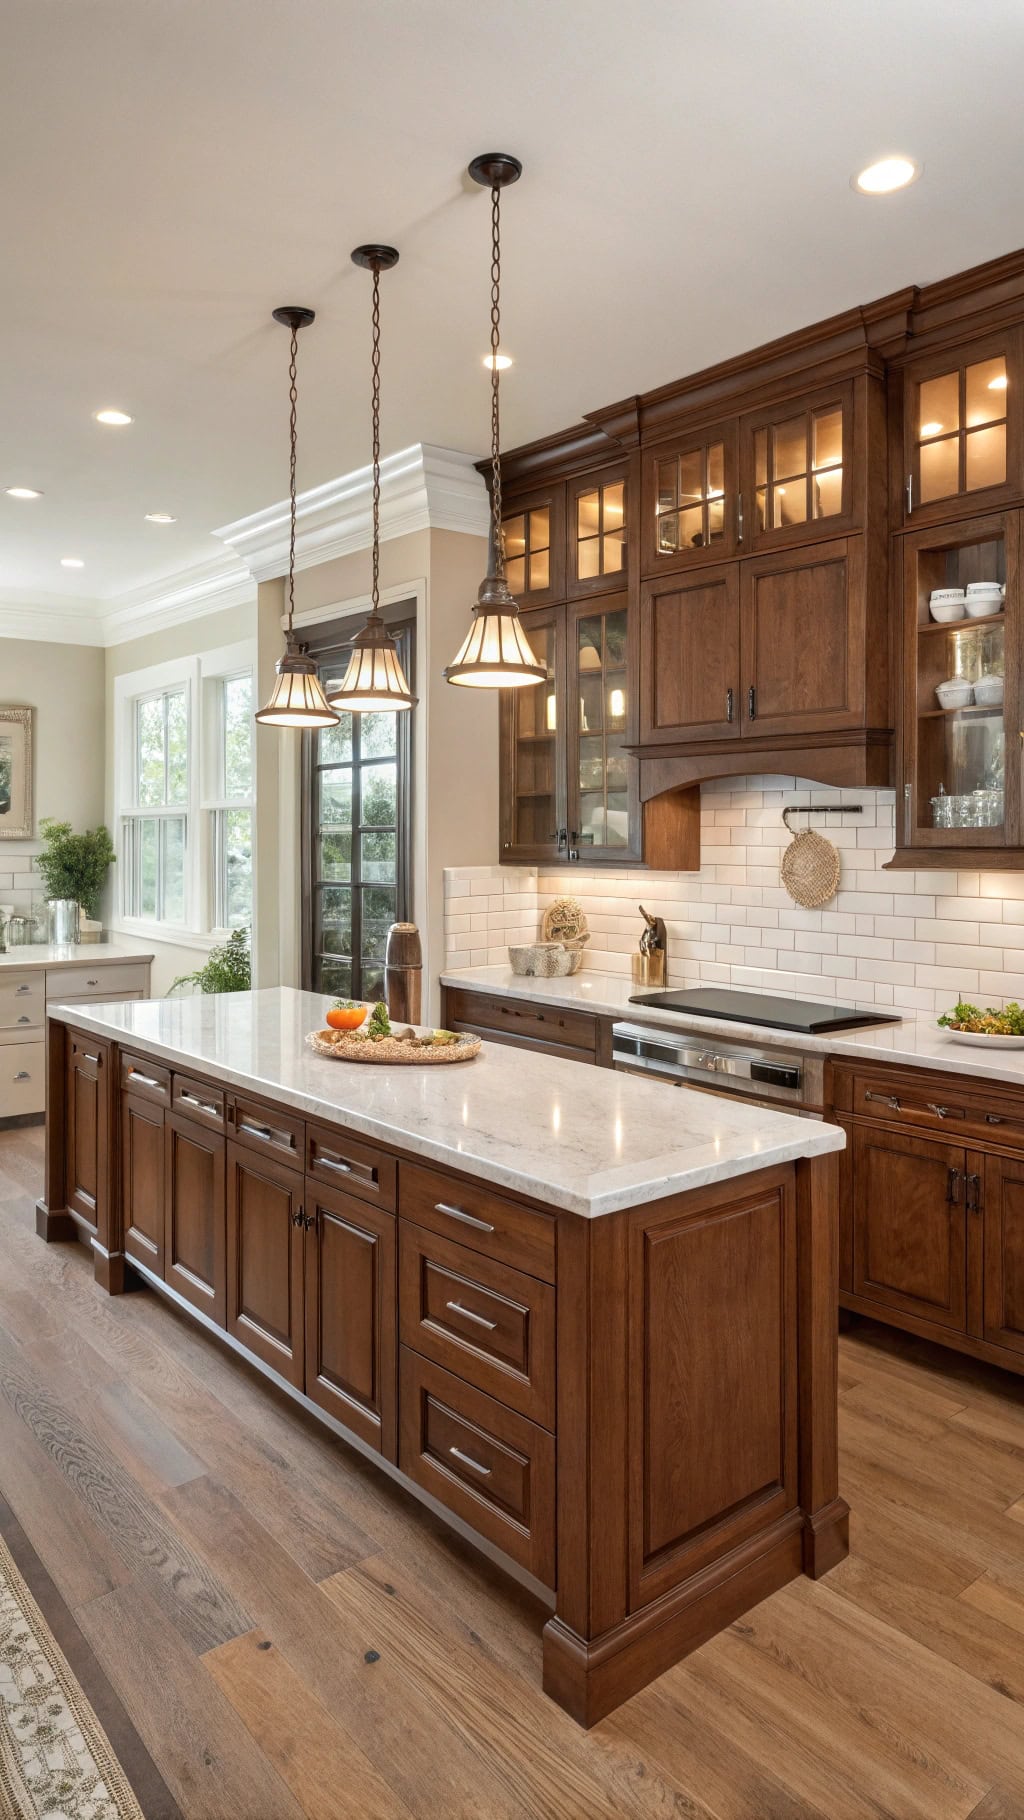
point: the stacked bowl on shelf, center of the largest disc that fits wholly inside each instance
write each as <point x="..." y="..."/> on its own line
<point x="979" y="600"/>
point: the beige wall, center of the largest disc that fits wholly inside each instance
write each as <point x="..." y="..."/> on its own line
<point x="228" y="627"/>
<point x="455" y="811"/>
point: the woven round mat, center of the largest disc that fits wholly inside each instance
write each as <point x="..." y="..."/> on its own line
<point x="810" y="868"/>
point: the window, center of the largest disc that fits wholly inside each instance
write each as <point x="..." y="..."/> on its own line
<point x="230" y="809"/>
<point x="357" y="783"/>
<point x="155" y="829"/>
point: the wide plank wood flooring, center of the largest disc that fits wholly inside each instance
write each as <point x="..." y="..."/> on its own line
<point x="291" y="1635"/>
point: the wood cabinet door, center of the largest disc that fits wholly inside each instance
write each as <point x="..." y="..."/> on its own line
<point x="142" y="1180"/>
<point x="603" y="795"/>
<point x="1001" y="1209"/>
<point x="910" y="1224"/>
<point x="533" y="527"/>
<point x="797" y="473"/>
<point x="534" y="826"/>
<point x="351" y="1291"/>
<point x="690" y="500"/>
<point x="265" y="1260"/>
<point x="802" y="640"/>
<point x="87" y="1124"/>
<point x="963" y="430"/>
<point x="690" y="656"/>
<point x="194" y="1214"/>
<point x="600" y="511"/>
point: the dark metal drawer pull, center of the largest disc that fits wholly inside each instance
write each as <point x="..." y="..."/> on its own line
<point x="953" y="1180"/>
<point x="467" y="1460"/>
<point x="20" y="990"/>
<point x="145" y="1080"/>
<point x="92" y="982"/>
<point x="467" y="1219"/>
<point x="467" y="1313"/>
<point x="283" y="1139"/>
<point x="885" y="1099"/>
<point x="24" y="1020"/>
<point x="192" y="1099"/>
<point x="973" y="1183"/>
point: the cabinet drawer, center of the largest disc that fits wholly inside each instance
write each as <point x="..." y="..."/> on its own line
<point x="197" y="1100"/>
<point x="473" y="1215"/>
<point x="520" y="1018"/>
<point x="148" y="1079"/>
<point x="269" y="1129"/>
<point x="347" y="1163"/>
<point x="942" y="1106"/>
<point x="111" y="978"/>
<point x="17" y="987"/>
<point x="22" y="1079"/>
<point x="490" y="1466"/>
<point x="22" y="1005"/>
<point x="489" y="1324"/>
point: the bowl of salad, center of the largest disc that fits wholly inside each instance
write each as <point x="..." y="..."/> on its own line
<point x="970" y="1024"/>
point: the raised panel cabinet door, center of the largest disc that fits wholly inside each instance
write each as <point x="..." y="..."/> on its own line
<point x="909" y="1199"/>
<point x="194" y="1236"/>
<point x="142" y="1180"/>
<point x="87" y="1131"/>
<point x="351" y="1290"/>
<point x="265" y="1260"/>
<point x="712" y="1402"/>
<point x="1001" y="1210"/>
<point x="690" y="656"/>
<point x="802" y="640"/>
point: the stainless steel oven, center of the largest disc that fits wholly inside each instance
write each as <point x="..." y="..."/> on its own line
<point x="787" y="1079"/>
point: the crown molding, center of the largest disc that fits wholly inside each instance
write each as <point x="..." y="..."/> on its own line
<point x="422" y="488"/>
<point x="49" y="619"/>
<point x="189" y="595"/>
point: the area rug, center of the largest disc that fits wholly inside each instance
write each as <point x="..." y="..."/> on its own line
<point x="55" y="1759"/>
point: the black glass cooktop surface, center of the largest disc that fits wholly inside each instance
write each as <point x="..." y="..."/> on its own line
<point x="764" y="1008"/>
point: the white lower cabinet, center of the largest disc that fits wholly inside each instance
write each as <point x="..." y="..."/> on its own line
<point x="22" y="1078"/>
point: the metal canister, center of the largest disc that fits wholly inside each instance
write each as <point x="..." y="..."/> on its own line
<point x="403" y="973"/>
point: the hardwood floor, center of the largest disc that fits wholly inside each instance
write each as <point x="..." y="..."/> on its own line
<point x="292" y="1635"/>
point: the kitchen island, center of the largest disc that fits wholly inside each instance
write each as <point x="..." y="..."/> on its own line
<point x="591" y="1323"/>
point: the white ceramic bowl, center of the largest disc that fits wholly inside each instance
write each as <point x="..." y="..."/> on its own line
<point x="988" y="691"/>
<point x="945" y="611"/>
<point x="947" y="594"/>
<point x="955" y="694"/>
<point x="979" y="606"/>
<point x="984" y="587"/>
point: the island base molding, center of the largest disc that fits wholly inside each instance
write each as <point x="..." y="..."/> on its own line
<point x="636" y="1411"/>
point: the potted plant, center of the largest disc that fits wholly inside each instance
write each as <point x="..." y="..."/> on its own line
<point x="228" y="969"/>
<point x="75" y="865"/>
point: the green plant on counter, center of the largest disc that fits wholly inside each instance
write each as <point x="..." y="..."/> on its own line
<point x="228" y="969"/>
<point x="75" y="865"/>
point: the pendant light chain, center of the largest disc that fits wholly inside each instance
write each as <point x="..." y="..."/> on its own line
<point x="499" y="540"/>
<point x="376" y="439"/>
<point x="293" y="397"/>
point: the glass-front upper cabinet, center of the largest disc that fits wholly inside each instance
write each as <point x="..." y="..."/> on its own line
<point x="534" y="825"/>
<point x="797" y="470"/>
<point x="603" y="799"/>
<point x="533" y="527"/>
<point x="598" y="527"/>
<point x="961" y="735"/>
<point x="962" y="430"/>
<point x="690" y="500"/>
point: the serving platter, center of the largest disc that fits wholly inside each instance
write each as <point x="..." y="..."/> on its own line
<point x="350" y="1046"/>
<point x="978" y="1039"/>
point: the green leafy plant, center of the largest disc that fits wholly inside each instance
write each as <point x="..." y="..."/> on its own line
<point x="380" y="1023"/>
<point x="987" y="1022"/>
<point x="75" y="865"/>
<point x="228" y="969"/>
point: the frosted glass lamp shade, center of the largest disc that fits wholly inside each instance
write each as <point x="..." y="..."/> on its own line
<point x="496" y="653"/>
<point x="374" y="681"/>
<point x="298" y="699"/>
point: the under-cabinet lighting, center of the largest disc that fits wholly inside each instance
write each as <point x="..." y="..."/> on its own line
<point x="886" y="175"/>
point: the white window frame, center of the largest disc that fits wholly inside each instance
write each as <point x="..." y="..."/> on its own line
<point x="192" y="674"/>
<point x="215" y="800"/>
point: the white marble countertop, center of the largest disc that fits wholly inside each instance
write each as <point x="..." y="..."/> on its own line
<point x="914" y="1042"/>
<point x="585" y="1139"/>
<point x="68" y="954"/>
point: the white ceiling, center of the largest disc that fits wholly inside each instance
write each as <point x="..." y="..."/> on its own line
<point x="175" y="168"/>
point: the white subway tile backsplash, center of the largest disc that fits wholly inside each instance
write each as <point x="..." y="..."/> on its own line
<point x="910" y="940"/>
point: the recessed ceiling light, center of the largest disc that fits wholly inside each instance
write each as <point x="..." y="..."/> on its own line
<point x="23" y="493"/>
<point x="160" y="518"/>
<point x="71" y="562"/>
<point x="885" y="175"/>
<point x="108" y="415"/>
<point x="502" y="361"/>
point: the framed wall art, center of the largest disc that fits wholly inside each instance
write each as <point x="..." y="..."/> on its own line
<point x="16" y="774"/>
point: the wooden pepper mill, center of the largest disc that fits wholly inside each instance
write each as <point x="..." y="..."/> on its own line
<point x="403" y="973"/>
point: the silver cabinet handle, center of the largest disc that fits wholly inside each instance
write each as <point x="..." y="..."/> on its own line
<point x="728" y="705"/>
<point x="468" y="1315"/>
<point x="24" y="1020"/>
<point x="940" y="1112"/>
<point x="90" y="1058"/>
<point x="885" y="1099"/>
<point x="456" y="1213"/>
<point x="146" y="1080"/>
<point x="21" y="990"/>
<point x="268" y="1135"/>
<point x="192" y="1099"/>
<point x="333" y="1162"/>
<point x="23" y="1075"/>
<point x="910" y="492"/>
<point x="467" y="1460"/>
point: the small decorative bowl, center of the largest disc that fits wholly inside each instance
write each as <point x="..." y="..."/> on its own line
<point x="980" y="606"/>
<point x="543" y="960"/>
<point x="988" y="691"/>
<point x="955" y="694"/>
<point x="945" y="611"/>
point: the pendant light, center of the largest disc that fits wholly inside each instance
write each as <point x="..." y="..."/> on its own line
<point x="374" y="681"/>
<point x="298" y="699"/>
<point x="496" y="652"/>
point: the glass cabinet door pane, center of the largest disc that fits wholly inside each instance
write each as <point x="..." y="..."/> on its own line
<point x="938" y="405"/>
<point x="985" y="392"/>
<point x="790" y="503"/>
<point x="691" y="502"/>
<point x="789" y="448"/>
<point x="528" y="550"/>
<point x="940" y="467"/>
<point x="535" y="727"/>
<point x="691" y="477"/>
<point x="588" y="514"/>
<point x="961" y="733"/>
<point x="985" y="457"/>
<point x="540" y="529"/>
<point x="601" y="689"/>
<point x="601" y="525"/>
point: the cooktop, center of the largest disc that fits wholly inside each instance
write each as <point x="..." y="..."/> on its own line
<point x="764" y="1008"/>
